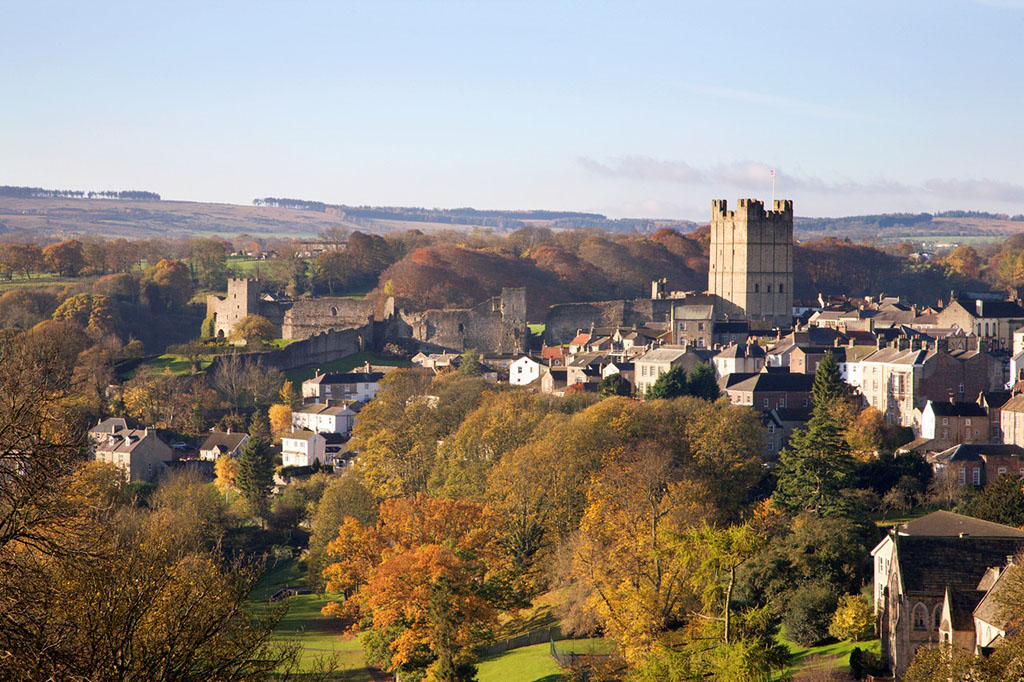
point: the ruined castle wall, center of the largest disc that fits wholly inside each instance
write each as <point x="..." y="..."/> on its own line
<point x="304" y="318"/>
<point x="496" y="325"/>
<point x="565" y="319"/>
<point x="320" y="348"/>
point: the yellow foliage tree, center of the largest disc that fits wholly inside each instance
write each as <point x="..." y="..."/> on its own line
<point x="226" y="469"/>
<point x="280" y="417"/>
<point x="853" y="619"/>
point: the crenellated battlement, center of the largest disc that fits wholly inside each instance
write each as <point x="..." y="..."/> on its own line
<point x="749" y="209"/>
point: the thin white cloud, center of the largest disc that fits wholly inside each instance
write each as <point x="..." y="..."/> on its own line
<point x="753" y="175"/>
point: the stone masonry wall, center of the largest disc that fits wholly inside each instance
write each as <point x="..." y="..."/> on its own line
<point x="304" y="318"/>
<point x="563" y="320"/>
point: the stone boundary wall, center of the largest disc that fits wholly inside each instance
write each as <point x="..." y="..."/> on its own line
<point x="318" y="349"/>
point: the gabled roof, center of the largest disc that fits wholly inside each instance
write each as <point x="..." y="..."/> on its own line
<point x="124" y="440"/>
<point x="771" y="381"/>
<point x="932" y="564"/>
<point x="662" y="355"/>
<point x="1014" y="404"/>
<point x="944" y="408"/>
<point x="299" y="434"/>
<point x="580" y="340"/>
<point x="948" y="524"/>
<point x="741" y="350"/>
<point x="346" y="378"/>
<point x="227" y="441"/>
<point x="967" y="452"/>
<point x="552" y="352"/>
<point x="991" y="609"/>
<point x="109" y="425"/>
<point x="693" y="312"/>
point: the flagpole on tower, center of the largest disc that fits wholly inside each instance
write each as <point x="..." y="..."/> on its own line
<point x="772" y="173"/>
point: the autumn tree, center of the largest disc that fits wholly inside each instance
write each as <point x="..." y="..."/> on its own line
<point x="93" y="312"/>
<point x="280" y="417"/>
<point x="65" y="258"/>
<point x="169" y="283"/>
<point x="344" y="497"/>
<point x="426" y="581"/>
<point x="638" y="513"/>
<point x="853" y="619"/>
<point x="255" y="329"/>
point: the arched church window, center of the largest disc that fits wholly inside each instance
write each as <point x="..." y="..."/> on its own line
<point x="920" y="617"/>
<point x="334" y="311"/>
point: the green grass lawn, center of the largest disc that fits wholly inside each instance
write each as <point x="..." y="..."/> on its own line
<point x="42" y="280"/>
<point x="177" y="364"/>
<point x="537" y="329"/>
<point x="836" y="654"/>
<point x="533" y="663"/>
<point x="322" y="640"/>
<point x="345" y="364"/>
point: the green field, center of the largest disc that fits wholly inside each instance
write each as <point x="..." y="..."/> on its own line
<point x="534" y="663"/>
<point x="836" y="654"/>
<point x="324" y="642"/>
<point x="41" y="280"/>
<point x="345" y="364"/>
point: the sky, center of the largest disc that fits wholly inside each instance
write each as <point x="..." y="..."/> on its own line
<point x="631" y="109"/>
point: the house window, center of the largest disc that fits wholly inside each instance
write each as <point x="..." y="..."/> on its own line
<point x="805" y="402"/>
<point x="700" y="326"/>
<point x="766" y="402"/>
<point x="963" y="477"/>
<point x="781" y="290"/>
<point x="976" y="476"/>
<point x="945" y="421"/>
<point x="961" y="388"/>
<point x="682" y="326"/>
<point x="920" y="617"/>
<point x="1002" y="471"/>
<point x="757" y="288"/>
<point x="967" y="422"/>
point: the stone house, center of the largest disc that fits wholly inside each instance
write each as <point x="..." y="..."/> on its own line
<point x="991" y="320"/>
<point x="302" y="447"/>
<point x="652" y="364"/>
<point x="993" y="402"/>
<point x="104" y="428"/>
<point x="927" y="575"/>
<point x="991" y="622"/>
<point x="553" y="381"/>
<point x="138" y="452"/>
<point x="950" y="423"/>
<point x="361" y="386"/>
<point x="739" y="358"/>
<point x="768" y="390"/>
<point x="222" y="444"/>
<point x="899" y="379"/>
<point x="523" y="371"/>
<point x="324" y="418"/>
<point x="627" y="370"/>
<point x="805" y="359"/>
<point x="1011" y="420"/>
<point x="977" y="463"/>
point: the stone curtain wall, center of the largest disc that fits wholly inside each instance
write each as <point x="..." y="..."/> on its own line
<point x="304" y="318"/>
<point x="318" y="349"/>
<point x="563" y="320"/>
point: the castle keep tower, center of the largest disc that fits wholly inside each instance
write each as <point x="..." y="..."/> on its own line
<point x="751" y="267"/>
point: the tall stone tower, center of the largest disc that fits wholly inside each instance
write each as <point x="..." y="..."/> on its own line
<point x="751" y="267"/>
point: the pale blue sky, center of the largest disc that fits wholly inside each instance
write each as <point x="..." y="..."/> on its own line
<point x="629" y="109"/>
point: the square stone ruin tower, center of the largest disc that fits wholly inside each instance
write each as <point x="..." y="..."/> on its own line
<point x="752" y="260"/>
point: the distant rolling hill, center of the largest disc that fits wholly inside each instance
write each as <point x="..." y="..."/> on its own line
<point x="62" y="216"/>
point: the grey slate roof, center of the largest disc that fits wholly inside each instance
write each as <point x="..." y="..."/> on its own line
<point x="949" y="524"/>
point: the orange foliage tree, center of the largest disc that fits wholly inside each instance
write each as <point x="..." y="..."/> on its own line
<point x="426" y="581"/>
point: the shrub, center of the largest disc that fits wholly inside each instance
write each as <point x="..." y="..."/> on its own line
<point x="809" y="614"/>
<point x="853" y="619"/>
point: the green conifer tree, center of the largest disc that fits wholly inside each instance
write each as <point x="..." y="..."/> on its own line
<point x="255" y="477"/>
<point x="671" y="384"/>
